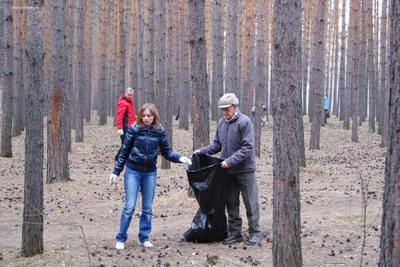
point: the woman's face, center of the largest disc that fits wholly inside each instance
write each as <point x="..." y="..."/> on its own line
<point x="147" y="117"/>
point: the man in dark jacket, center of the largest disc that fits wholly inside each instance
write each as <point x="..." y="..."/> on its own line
<point x="125" y="115"/>
<point x="234" y="138"/>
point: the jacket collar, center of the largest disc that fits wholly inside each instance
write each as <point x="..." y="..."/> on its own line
<point x="141" y="127"/>
<point x="127" y="100"/>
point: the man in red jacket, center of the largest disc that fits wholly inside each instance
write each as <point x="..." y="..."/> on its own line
<point x="125" y="115"/>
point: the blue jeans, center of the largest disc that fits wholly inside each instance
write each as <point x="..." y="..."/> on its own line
<point x="133" y="181"/>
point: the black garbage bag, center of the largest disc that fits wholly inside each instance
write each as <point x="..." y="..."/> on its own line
<point x="209" y="183"/>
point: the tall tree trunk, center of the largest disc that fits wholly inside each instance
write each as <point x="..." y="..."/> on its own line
<point x="88" y="60"/>
<point x="148" y="55"/>
<point x="159" y="56"/>
<point x="18" y="66"/>
<point x="57" y="150"/>
<point x="1" y="45"/>
<point x="326" y="90"/>
<point x="271" y="88"/>
<point x="217" y="49"/>
<point x="306" y="52"/>
<point x="231" y="51"/>
<point x="371" y="70"/>
<point x="175" y="72"/>
<point x="303" y="93"/>
<point x="113" y="90"/>
<point x="239" y="40"/>
<point x="47" y="57"/>
<point x="386" y="92"/>
<point x="7" y="101"/>
<point x="201" y="103"/>
<point x="390" y="227"/>
<point x="32" y="225"/>
<point x="96" y="59"/>
<point x="349" y="76"/>
<point x="133" y="60"/>
<point x="161" y="98"/>
<point x="318" y="75"/>
<point x="80" y="85"/>
<point x="121" y="83"/>
<point x="355" y="16"/>
<point x="382" y="78"/>
<point x="269" y="36"/>
<point x="103" y="43"/>
<point x="363" y="93"/>
<point x="70" y="92"/>
<point x="286" y="247"/>
<point x="185" y="95"/>
<point x="312" y="56"/>
<point x="248" y="62"/>
<point x="376" y="61"/>
<point x="342" y="72"/>
<point x="169" y="81"/>
<point x="260" y="73"/>
<point x="140" y="96"/>
<point x="335" y="100"/>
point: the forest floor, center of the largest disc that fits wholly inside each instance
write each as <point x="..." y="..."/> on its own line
<point x="81" y="217"/>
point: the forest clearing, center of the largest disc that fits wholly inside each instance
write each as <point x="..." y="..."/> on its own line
<point x="82" y="216"/>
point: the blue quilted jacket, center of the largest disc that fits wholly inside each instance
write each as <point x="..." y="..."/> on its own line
<point x="140" y="149"/>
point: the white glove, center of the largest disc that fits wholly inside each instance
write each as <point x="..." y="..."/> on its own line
<point x="112" y="178"/>
<point x="185" y="160"/>
<point x="120" y="132"/>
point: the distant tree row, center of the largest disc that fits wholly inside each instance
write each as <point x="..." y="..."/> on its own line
<point x="110" y="45"/>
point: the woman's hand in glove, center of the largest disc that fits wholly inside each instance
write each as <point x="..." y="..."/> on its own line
<point x="112" y="178"/>
<point x="185" y="160"/>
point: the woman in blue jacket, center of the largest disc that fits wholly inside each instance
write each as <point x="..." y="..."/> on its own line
<point x="139" y="155"/>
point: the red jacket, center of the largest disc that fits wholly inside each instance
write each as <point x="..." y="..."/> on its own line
<point x="125" y="113"/>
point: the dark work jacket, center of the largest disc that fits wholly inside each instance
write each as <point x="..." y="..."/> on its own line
<point x="140" y="149"/>
<point x="234" y="138"/>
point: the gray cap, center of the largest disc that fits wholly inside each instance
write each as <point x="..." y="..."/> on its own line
<point x="228" y="100"/>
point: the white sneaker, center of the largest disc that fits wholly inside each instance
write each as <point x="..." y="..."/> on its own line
<point x="120" y="245"/>
<point x="146" y="244"/>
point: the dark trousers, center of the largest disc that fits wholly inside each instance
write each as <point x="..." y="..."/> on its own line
<point x="246" y="184"/>
<point x="119" y="150"/>
<point x="326" y="117"/>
